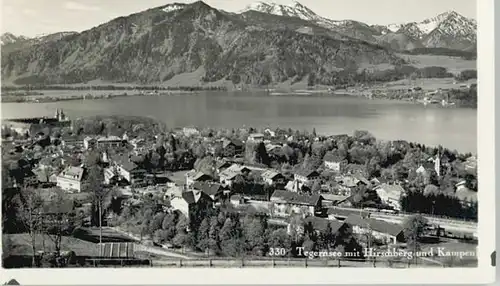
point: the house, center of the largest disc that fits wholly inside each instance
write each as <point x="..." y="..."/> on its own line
<point x="318" y="225"/>
<point x="471" y="165"/>
<point x="421" y="170"/>
<point x="270" y="132"/>
<point x="292" y="186"/>
<point x="464" y="194"/>
<point x="140" y="146"/>
<point x="109" y="141"/>
<point x="129" y="171"/>
<point x="173" y="190"/>
<point x="237" y="200"/>
<point x="71" y="141"/>
<point x="214" y="190"/>
<point x="390" y="194"/>
<point x="256" y="137"/>
<point x="110" y="175"/>
<point x="347" y="181"/>
<point x="232" y="147"/>
<point x="227" y="176"/>
<point x="273" y="148"/>
<point x="189" y="201"/>
<point x="305" y="176"/>
<point x="375" y="182"/>
<point x="337" y="213"/>
<point x="333" y="200"/>
<point x="221" y="165"/>
<point x="194" y="176"/>
<point x="190" y="131"/>
<point x="89" y="142"/>
<point x="286" y="203"/>
<point x="332" y="162"/>
<point x="384" y="232"/>
<point x="71" y="179"/>
<point x="273" y="178"/>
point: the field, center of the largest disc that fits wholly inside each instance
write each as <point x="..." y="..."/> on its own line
<point x="21" y="244"/>
<point x="453" y="64"/>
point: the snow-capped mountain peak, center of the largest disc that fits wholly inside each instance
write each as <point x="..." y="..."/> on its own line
<point x="292" y="10"/>
<point x="173" y="7"/>
<point x="450" y="22"/>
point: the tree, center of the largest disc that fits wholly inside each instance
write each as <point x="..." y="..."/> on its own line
<point x="261" y="155"/>
<point x="309" y="244"/>
<point x="92" y="159"/>
<point x="59" y="220"/>
<point x="94" y="184"/>
<point x="254" y="233"/>
<point x="181" y="237"/>
<point x="204" y="235"/>
<point x="169" y="226"/>
<point x="30" y="208"/>
<point x="413" y="228"/>
<point x="213" y="234"/>
<point x="230" y="238"/>
<point x="279" y="239"/>
<point x="156" y="223"/>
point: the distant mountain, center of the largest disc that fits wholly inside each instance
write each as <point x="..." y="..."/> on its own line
<point x="349" y="28"/>
<point x="211" y="45"/>
<point x="9" y="38"/>
<point x="447" y="30"/>
<point x="12" y="42"/>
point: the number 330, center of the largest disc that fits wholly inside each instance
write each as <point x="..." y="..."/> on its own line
<point x="277" y="252"/>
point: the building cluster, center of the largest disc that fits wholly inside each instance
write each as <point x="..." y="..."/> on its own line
<point x="231" y="180"/>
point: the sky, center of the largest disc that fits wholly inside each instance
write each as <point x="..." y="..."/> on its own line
<point x="36" y="17"/>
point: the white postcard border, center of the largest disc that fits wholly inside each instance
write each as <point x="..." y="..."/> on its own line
<point x="484" y="273"/>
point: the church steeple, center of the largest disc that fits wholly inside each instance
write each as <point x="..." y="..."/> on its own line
<point x="437" y="164"/>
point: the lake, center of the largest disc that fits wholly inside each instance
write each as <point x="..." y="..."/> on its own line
<point x="453" y="128"/>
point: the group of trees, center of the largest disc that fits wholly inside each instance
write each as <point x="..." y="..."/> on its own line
<point x="464" y="97"/>
<point x="466" y="75"/>
<point x="351" y="77"/>
<point x="41" y="216"/>
<point x="224" y="232"/>
<point x="439" y="204"/>
<point x="443" y="52"/>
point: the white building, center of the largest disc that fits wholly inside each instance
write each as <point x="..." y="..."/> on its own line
<point x="70" y="179"/>
<point x="387" y="233"/>
<point x="390" y="194"/>
<point x="256" y="137"/>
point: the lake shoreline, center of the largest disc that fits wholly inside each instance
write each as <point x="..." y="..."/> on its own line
<point x="313" y="92"/>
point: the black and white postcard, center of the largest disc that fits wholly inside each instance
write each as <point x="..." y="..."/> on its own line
<point x="236" y="142"/>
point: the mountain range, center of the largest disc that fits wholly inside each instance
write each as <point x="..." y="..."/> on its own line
<point x="262" y="44"/>
<point x="447" y="30"/>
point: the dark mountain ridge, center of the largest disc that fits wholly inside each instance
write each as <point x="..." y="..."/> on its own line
<point x="154" y="45"/>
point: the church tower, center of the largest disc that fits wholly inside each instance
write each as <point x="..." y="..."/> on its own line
<point x="437" y="164"/>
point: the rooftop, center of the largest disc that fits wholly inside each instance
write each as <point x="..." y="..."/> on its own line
<point x="210" y="189"/>
<point x="282" y="196"/>
<point x="74" y="173"/>
<point x="269" y="174"/>
<point x="108" y="138"/>
<point x="375" y="225"/>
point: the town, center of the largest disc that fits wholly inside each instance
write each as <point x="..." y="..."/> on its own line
<point x="131" y="191"/>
